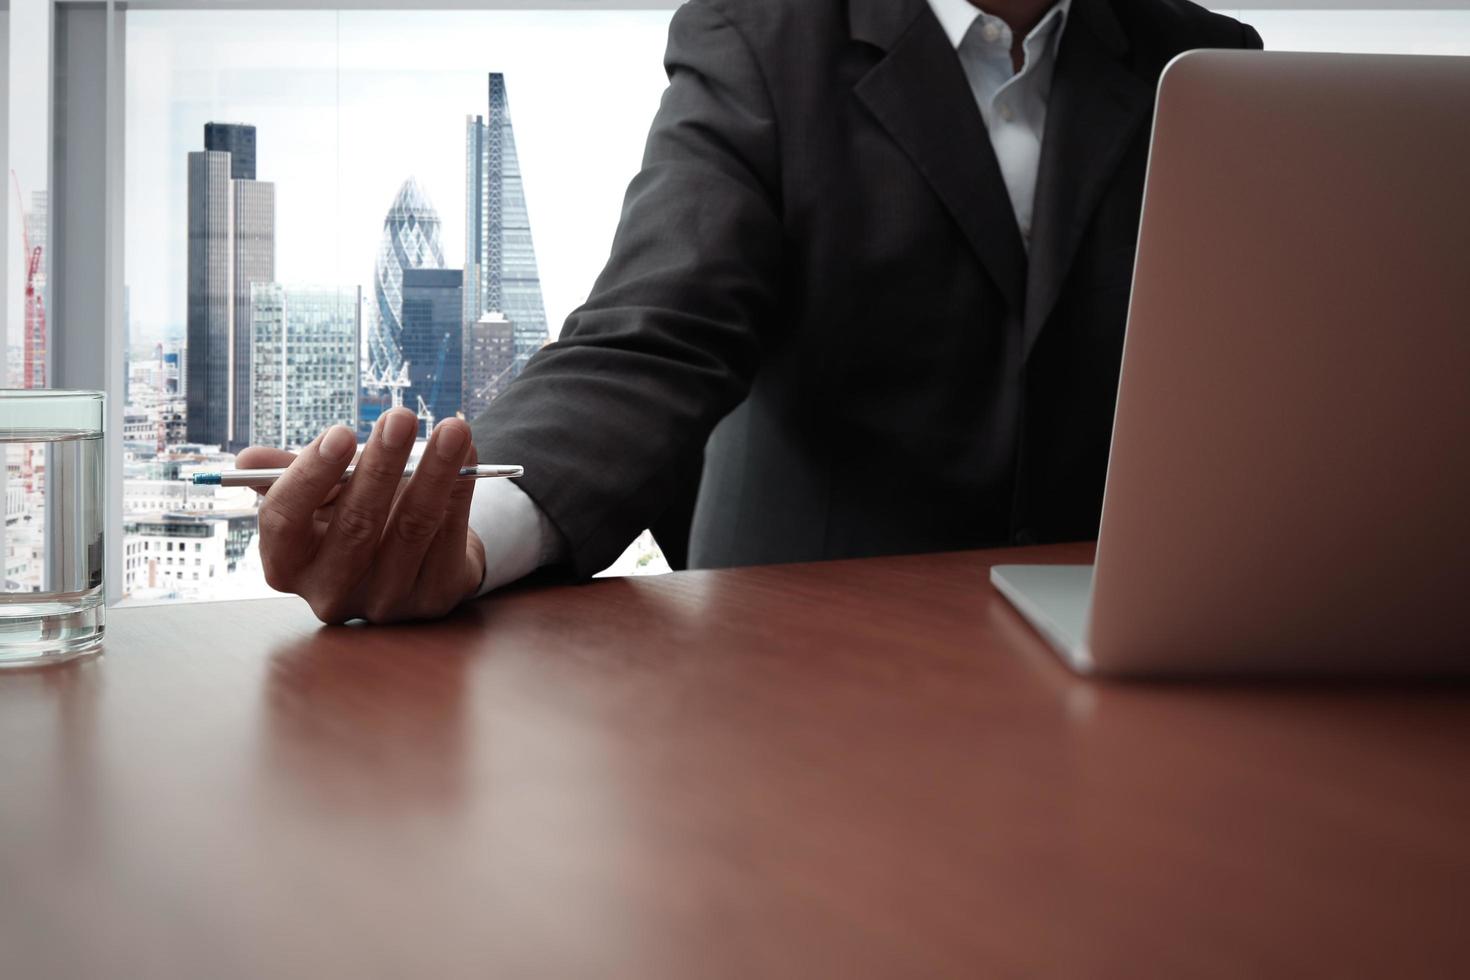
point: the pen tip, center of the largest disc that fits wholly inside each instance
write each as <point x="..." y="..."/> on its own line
<point x="206" y="479"/>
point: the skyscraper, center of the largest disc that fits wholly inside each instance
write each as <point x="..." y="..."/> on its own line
<point x="433" y="339"/>
<point x="500" y="262"/>
<point x="210" y="305"/>
<point x="490" y="354"/>
<point x="254" y="248"/>
<point x="231" y="245"/>
<point x="238" y="141"/>
<point x="410" y="241"/>
<point x="303" y="361"/>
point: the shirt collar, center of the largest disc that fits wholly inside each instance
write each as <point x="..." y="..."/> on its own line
<point x="956" y="16"/>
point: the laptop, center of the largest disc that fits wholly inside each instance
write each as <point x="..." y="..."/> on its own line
<point x="1288" y="489"/>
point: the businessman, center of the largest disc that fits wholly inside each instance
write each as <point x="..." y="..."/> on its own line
<point x="866" y="296"/>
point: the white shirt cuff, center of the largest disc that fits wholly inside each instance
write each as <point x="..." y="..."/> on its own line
<point x="518" y="537"/>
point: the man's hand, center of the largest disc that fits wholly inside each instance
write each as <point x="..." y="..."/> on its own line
<point x="377" y="548"/>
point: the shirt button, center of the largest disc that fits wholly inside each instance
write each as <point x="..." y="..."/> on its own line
<point x="1005" y="112"/>
<point x="991" y="31"/>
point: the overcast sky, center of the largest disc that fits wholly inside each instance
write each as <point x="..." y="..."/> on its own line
<point x="346" y="106"/>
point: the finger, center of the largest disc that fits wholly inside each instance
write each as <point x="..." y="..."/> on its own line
<point x="287" y="528"/>
<point x="416" y="519"/>
<point x="361" y="509"/>
<point x="263" y="458"/>
<point x="324" y="509"/>
<point x="447" y="574"/>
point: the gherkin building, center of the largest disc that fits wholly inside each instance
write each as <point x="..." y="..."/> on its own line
<point x="410" y="241"/>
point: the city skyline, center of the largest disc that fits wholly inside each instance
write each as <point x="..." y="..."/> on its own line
<point x="296" y="199"/>
<point x="415" y="347"/>
<point x="274" y="364"/>
<point x="342" y="124"/>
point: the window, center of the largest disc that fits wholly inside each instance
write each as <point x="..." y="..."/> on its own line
<point x="1361" y="31"/>
<point x="342" y="182"/>
<point x="354" y="117"/>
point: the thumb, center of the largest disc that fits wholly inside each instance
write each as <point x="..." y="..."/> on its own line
<point x="474" y="560"/>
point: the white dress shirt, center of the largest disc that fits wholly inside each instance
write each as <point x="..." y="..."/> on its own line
<point x="518" y="536"/>
<point x="1012" y="103"/>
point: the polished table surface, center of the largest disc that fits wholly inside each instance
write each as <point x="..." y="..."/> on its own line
<point x="851" y="769"/>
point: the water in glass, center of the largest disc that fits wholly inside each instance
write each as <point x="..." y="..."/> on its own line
<point x="52" y="606"/>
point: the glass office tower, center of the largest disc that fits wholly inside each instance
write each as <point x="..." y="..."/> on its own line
<point x="410" y="241"/>
<point x="210" y="304"/>
<point x="303" y="361"/>
<point x="231" y="245"/>
<point x="254" y="258"/>
<point x="432" y="340"/>
<point x="500" y="261"/>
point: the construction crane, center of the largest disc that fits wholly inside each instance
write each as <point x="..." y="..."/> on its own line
<point x="35" y="338"/>
<point x="426" y="415"/>
<point x="33" y="370"/>
<point x="395" y="384"/>
<point x="34" y="357"/>
<point x="390" y="382"/>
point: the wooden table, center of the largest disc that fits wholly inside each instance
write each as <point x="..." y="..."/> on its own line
<point x="852" y="769"/>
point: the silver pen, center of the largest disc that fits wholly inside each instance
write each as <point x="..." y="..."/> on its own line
<point x="265" y="477"/>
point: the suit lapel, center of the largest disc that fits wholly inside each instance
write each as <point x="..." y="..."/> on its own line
<point x="1095" y="108"/>
<point x="920" y="95"/>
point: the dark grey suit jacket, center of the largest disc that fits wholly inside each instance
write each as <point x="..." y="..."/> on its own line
<point x="819" y="295"/>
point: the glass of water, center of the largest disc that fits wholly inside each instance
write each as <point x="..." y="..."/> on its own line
<point x="52" y="604"/>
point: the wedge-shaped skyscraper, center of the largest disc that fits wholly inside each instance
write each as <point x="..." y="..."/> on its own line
<point x="500" y="272"/>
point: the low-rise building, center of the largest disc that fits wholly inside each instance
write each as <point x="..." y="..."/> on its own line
<point x="183" y="554"/>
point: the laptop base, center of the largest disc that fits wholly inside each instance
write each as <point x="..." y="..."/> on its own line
<point x="1056" y="600"/>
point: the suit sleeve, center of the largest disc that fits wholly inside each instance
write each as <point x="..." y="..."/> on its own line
<point x="607" y="419"/>
<point x="1250" y="38"/>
